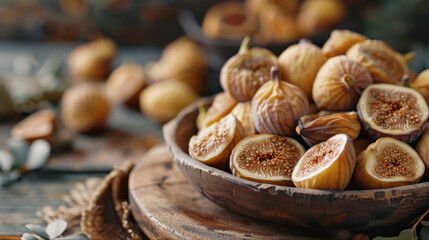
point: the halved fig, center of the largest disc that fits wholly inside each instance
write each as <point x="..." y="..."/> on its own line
<point x="315" y="128"/>
<point x="387" y="110"/>
<point x="222" y="104"/>
<point x="244" y="73"/>
<point x="213" y="145"/>
<point x="266" y="158"/>
<point x="388" y="163"/>
<point x="327" y="165"/>
<point x="39" y="125"/>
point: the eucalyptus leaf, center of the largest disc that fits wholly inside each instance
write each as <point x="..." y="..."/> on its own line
<point x="425" y="223"/>
<point x="19" y="149"/>
<point x="79" y="236"/>
<point x="38" y="154"/>
<point x="8" y="178"/>
<point x="28" y="236"/>
<point x="407" y="233"/>
<point x="38" y="230"/>
<point x="56" y="228"/>
<point x="6" y="161"/>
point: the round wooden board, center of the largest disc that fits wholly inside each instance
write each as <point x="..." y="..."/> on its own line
<point x="167" y="207"/>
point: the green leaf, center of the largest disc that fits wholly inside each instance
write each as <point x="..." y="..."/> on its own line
<point x="19" y="150"/>
<point x="8" y="178"/>
<point x="38" y="154"/>
<point x="405" y="234"/>
<point x="56" y="228"/>
<point x="38" y="230"/>
<point x="79" y="236"/>
<point x="424" y="233"/>
<point x="425" y="223"/>
<point x="6" y="161"/>
<point x="28" y="236"/>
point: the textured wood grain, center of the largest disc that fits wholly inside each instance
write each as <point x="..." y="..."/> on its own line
<point x="357" y="210"/>
<point x="167" y="207"/>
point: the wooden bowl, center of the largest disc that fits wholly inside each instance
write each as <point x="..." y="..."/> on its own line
<point x="355" y="210"/>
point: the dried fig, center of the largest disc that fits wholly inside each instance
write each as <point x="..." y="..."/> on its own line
<point x="91" y="61"/>
<point x="327" y="165"/>
<point x="243" y="112"/>
<point x="384" y="63"/>
<point x="317" y="15"/>
<point x="125" y="84"/>
<point x="222" y="104"/>
<point x="277" y="106"/>
<point x="213" y="144"/>
<point x="315" y="128"/>
<point x="191" y="69"/>
<point x="388" y="163"/>
<point x="300" y="63"/>
<point x="361" y="144"/>
<point x="85" y="108"/>
<point x="163" y="100"/>
<point x="340" y="41"/>
<point x="339" y="84"/>
<point x="266" y="158"/>
<point x="421" y="84"/>
<point x="387" y="110"/>
<point x="228" y="20"/>
<point x="39" y="125"/>
<point x="422" y="147"/>
<point x="243" y="74"/>
<point x="254" y="7"/>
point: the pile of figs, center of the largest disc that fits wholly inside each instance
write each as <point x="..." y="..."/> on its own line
<point x="349" y="115"/>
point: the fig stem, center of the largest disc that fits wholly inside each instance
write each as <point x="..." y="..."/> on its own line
<point x="409" y="57"/>
<point x="406" y="81"/>
<point x="245" y="45"/>
<point x="349" y="80"/>
<point x="275" y="73"/>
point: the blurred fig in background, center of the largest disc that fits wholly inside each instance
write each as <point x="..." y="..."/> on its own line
<point x="288" y="7"/>
<point x="92" y="61"/>
<point x="182" y="60"/>
<point x="163" y="100"/>
<point x="85" y="108"/>
<point x="421" y="84"/>
<point x="228" y="20"/>
<point x="319" y="15"/>
<point x="39" y="125"/>
<point x="125" y="84"/>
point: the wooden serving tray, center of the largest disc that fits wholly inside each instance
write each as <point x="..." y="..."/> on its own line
<point x="166" y="206"/>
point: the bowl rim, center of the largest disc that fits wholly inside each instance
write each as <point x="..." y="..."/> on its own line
<point x="170" y="130"/>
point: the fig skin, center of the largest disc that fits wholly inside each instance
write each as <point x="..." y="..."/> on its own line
<point x="222" y="104"/>
<point x="339" y="83"/>
<point x="299" y="65"/>
<point x="384" y="63"/>
<point x="315" y="128"/>
<point x="421" y="84"/>
<point x="422" y="148"/>
<point x="376" y="132"/>
<point x="277" y="106"/>
<point x="258" y="177"/>
<point x="218" y="159"/>
<point x="243" y="112"/>
<point x="39" y="125"/>
<point x="241" y="83"/>
<point x="339" y="172"/>
<point x="340" y="41"/>
<point x="366" y="180"/>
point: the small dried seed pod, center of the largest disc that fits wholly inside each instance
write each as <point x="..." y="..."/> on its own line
<point x="384" y="63"/>
<point x="277" y="106"/>
<point x="266" y="158"/>
<point x="422" y="148"/>
<point x="339" y="84"/>
<point x="213" y="144"/>
<point x="85" y="108"/>
<point x="243" y="74"/>
<point x="316" y="128"/>
<point x="163" y="100"/>
<point x="39" y="125"/>
<point x="388" y="163"/>
<point x="299" y="65"/>
<point x="222" y="104"/>
<point x="421" y="84"/>
<point x="327" y="165"/>
<point x="243" y="112"/>
<point x="387" y="110"/>
<point x="125" y="84"/>
<point x="340" y="41"/>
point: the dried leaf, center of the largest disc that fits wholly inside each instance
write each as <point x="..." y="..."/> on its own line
<point x="79" y="236"/>
<point x="38" y="230"/>
<point x="38" y="154"/>
<point x="19" y="150"/>
<point x="56" y="228"/>
<point x="6" y="161"/>
<point x="28" y="236"/>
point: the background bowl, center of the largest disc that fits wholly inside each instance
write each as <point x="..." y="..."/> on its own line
<point x="387" y="210"/>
